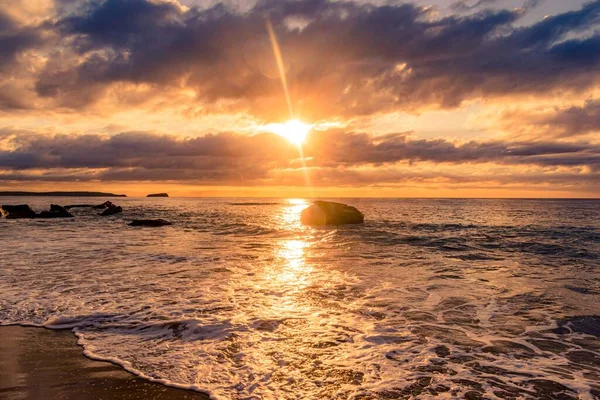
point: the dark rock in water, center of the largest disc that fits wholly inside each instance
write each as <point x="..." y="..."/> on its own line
<point x="149" y="222"/>
<point x="582" y="290"/>
<point x="158" y="195"/>
<point x="109" y="207"/>
<point x="588" y="324"/>
<point x="55" y="208"/>
<point x="111" y="210"/>
<point x="23" y="211"/>
<point x="106" y="204"/>
<point x="56" y="211"/>
<point x="18" y="211"/>
<point x="330" y="213"/>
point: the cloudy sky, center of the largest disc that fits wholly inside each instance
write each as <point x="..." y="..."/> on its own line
<point x="446" y="98"/>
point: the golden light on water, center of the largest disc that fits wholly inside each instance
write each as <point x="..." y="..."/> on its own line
<point x="293" y="271"/>
<point x="288" y="274"/>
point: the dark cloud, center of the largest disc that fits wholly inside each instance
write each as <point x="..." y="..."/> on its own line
<point x="343" y="176"/>
<point x="144" y="150"/>
<point x="14" y="39"/>
<point x="237" y="159"/>
<point x="464" y="6"/>
<point x="343" y="58"/>
<point x="360" y="148"/>
<point x="567" y="122"/>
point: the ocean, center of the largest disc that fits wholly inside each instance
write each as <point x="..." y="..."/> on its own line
<point x="493" y="299"/>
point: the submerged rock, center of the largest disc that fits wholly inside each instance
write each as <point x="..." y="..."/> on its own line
<point x="56" y="211"/>
<point x="588" y="324"/>
<point x="331" y="213"/>
<point x="79" y="206"/>
<point x="18" y="211"/>
<point x="158" y="195"/>
<point x="106" y="204"/>
<point x="149" y="222"/>
<point x="113" y="209"/>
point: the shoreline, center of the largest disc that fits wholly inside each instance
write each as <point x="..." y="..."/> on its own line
<point x="41" y="363"/>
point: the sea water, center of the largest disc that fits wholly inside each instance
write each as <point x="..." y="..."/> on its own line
<point x="448" y="298"/>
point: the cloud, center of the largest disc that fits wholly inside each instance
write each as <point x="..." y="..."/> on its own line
<point x="343" y="59"/>
<point x="565" y="123"/>
<point x="464" y="6"/>
<point x="361" y="148"/>
<point x="15" y="38"/>
<point x="237" y="159"/>
<point x="86" y="63"/>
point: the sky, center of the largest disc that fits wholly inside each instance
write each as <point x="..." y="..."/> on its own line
<point x="444" y="98"/>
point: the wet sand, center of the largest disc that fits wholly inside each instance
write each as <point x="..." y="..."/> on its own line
<point x="38" y="363"/>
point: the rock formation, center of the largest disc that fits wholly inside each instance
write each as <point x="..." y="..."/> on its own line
<point x="18" y="211"/>
<point x="56" y="211"/>
<point x="149" y="222"/>
<point x="158" y="195"/>
<point x="330" y="213"/>
<point x="111" y="210"/>
<point x="106" y="204"/>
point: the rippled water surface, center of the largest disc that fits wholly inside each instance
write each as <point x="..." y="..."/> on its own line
<point x="454" y="298"/>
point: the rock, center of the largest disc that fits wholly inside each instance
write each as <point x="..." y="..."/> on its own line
<point x="149" y="222"/>
<point x="330" y="213"/>
<point x="55" y="208"/>
<point x="18" y="211"/>
<point x="158" y="195"/>
<point x="106" y="204"/>
<point x="56" y="211"/>
<point x="588" y="324"/>
<point x="113" y="209"/>
<point x="109" y="208"/>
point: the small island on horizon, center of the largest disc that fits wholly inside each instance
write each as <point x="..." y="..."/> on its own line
<point x="158" y="195"/>
<point x="62" y="194"/>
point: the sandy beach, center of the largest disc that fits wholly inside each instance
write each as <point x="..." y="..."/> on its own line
<point x="39" y="363"/>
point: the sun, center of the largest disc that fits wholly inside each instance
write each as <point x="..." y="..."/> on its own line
<point x="293" y="130"/>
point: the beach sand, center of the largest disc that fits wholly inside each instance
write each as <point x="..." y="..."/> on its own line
<point x="38" y="363"/>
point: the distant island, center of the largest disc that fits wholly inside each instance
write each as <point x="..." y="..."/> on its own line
<point x="158" y="195"/>
<point x="62" y="194"/>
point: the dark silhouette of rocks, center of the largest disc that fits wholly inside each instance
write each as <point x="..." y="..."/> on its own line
<point x="106" y="204"/>
<point x="24" y="211"/>
<point x="158" y="195"/>
<point x="331" y="213"/>
<point x="149" y="222"/>
<point x="18" y="211"/>
<point x="56" y="211"/>
<point x="111" y="210"/>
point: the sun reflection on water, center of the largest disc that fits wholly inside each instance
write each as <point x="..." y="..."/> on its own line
<point x="288" y="274"/>
<point x="290" y="212"/>
<point x="294" y="271"/>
